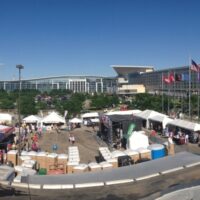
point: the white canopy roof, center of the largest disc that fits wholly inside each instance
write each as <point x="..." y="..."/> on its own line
<point x="164" y="119"/>
<point x="125" y="112"/>
<point x="32" y="119"/>
<point x="53" y="118"/>
<point x="75" y="120"/>
<point x="96" y="120"/>
<point x="185" y="124"/>
<point x="90" y="115"/>
<point x="146" y="114"/>
<point x="5" y="117"/>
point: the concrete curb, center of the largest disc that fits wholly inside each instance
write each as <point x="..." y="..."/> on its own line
<point x="147" y="177"/>
<point x="21" y="185"/>
<point x="5" y="183"/>
<point x="85" y="185"/>
<point x="52" y="187"/>
<point x="192" y="165"/>
<point x="119" y="181"/>
<point x="171" y="170"/>
<point x="34" y="186"/>
<point x="67" y="186"/>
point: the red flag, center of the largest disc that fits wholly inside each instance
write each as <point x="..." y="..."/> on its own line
<point x="171" y="78"/>
<point x="166" y="80"/>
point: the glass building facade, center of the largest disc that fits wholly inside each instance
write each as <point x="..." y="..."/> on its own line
<point x="154" y="82"/>
<point x="85" y="84"/>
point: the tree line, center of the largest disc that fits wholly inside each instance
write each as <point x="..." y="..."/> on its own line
<point x="32" y="101"/>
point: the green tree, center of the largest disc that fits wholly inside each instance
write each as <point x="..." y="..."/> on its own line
<point x="27" y="105"/>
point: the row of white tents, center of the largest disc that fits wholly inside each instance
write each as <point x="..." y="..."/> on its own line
<point x="55" y="118"/>
<point x="149" y="116"/>
<point x="152" y="116"/>
<point x="52" y="118"/>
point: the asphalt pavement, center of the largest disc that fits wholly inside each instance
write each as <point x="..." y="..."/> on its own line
<point x="141" y="190"/>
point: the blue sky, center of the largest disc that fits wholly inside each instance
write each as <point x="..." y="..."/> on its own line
<point x="85" y="37"/>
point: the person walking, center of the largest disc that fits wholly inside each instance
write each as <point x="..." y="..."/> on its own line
<point x="73" y="139"/>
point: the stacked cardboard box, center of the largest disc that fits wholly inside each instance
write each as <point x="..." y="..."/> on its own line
<point x="106" y="165"/>
<point x="63" y="159"/>
<point x="93" y="166"/>
<point x="41" y="159"/>
<point x="80" y="168"/>
<point x="51" y="160"/>
<point x="133" y="154"/>
<point x="144" y="153"/>
<point x="12" y="156"/>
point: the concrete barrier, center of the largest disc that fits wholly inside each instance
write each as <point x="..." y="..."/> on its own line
<point x="67" y="186"/>
<point x="85" y="185"/>
<point x="171" y="170"/>
<point x="5" y="183"/>
<point x="147" y="177"/>
<point x="119" y="181"/>
<point x="192" y="165"/>
<point x="52" y="187"/>
<point x="34" y="186"/>
<point x="21" y="185"/>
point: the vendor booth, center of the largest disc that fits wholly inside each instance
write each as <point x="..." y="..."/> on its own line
<point x="145" y="115"/>
<point x="90" y="118"/>
<point x="6" y="118"/>
<point x="32" y="119"/>
<point x="114" y="128"/>
<point x="53" y="118"/>
<point x="124" y="112"/>
<point x="76" y="123"/>
<point x="6" y="136"/>
<point x="5" y="131"/>
<point x="159" y="122"/>
<point x="183" y="130"/>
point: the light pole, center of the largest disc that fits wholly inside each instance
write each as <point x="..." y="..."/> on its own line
<point x="19" y="67"/>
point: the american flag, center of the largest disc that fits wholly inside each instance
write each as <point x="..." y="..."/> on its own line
<point x="194" y="66"/>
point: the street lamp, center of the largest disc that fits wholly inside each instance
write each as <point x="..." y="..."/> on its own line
<point x="19" y="67"/>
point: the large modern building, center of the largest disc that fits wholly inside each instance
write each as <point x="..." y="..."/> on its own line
<point x="124" y="85"/>
<point x="139" y="79"/>
<point x="129" y="80"/>
<point x="85" y="84"/>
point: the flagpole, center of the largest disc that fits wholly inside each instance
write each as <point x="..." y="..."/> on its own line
<point x="189" y="89"/>
<point x="174" y="91"/>
<point x="197" y="86"/>
<point x="168" y="97"/>
<point x="162" y="95"/>
<point x="198" y="104"/>
<point x="196" y="91"/>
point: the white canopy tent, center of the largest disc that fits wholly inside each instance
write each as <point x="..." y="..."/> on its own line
<point x="185" y="124"/>
<point x="164" y="119"/>
<point x="125" y="112"/>
<point x="96" y="120"/>
<point x="90" y="115"/>
<point x="53" y="118"/>
<point x="32" y="119"/>
<point x="137" y="140"/>
<point x="146" y="114"/>
<point x="5" y="117"/>
<point x="75" y="120"/>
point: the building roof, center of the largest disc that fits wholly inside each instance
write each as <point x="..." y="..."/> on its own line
<point x="126" y="69"/>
